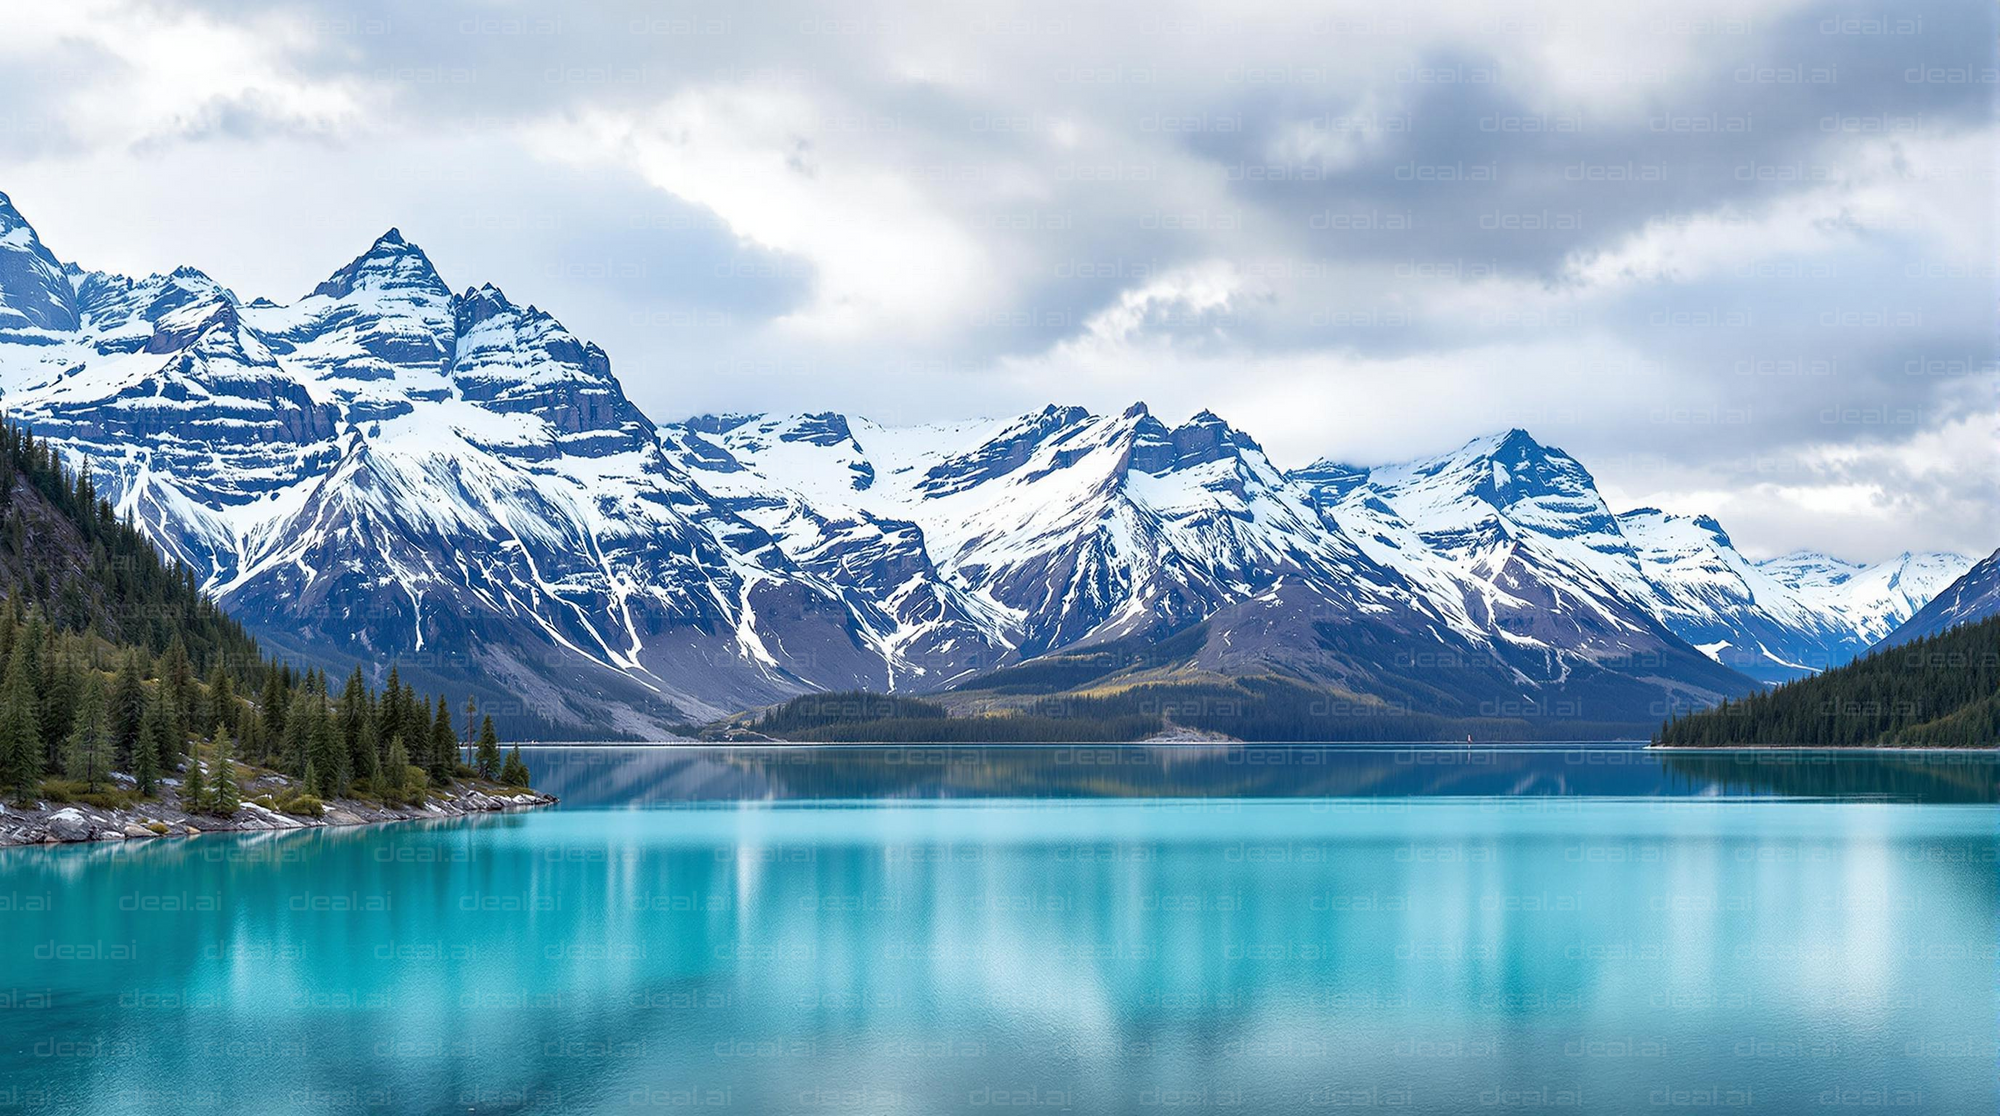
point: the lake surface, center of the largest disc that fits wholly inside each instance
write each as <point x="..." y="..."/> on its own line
<point x="1096" y="930"/>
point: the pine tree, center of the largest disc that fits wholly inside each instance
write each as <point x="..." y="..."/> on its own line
<point x="60" y="678"/>
<point x="194" y="790"/>
<point x="396" y="770"/>
<point x="444" y="746"/>
<point x="21" y="723"/>
<point x="389" y="711"/>
<point x="325" y="753"/>
<point x="145" y="759"/>
<point x="354" y="713"/>
<point x="514" y="773"/>
<point x="88" y="754"/>
<point x="249" y="737"/>
<point x="415" y="726"/>
<point x="223" y="798"/>
<point x="374" y="772"/>
<point x="128" y="707"/>
<point x="488" y="753"/>
<point x="220" y="702"/>
<point x="272" y="702"/>
<point x="176" y="673"/>
<point x="10" y="626"/>
<point x="164" y="734"/>
<point x="296" y="740"/>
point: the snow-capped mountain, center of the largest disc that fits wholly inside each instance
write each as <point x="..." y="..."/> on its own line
<point x="1973" y="597"/>
<point x="1049" y="529"/>
<point x="1519" y="532"/>
<point x="1063" y="528"/>
<point x="1871" y="601"/>
<point x="385" y="470"/>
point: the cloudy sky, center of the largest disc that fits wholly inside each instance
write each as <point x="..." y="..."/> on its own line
<point x="1738" y="256"/>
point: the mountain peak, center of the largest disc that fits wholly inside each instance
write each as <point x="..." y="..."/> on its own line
<point x="390" y="264"/>
<point x="1517" y="442"/>
<point x="34" y="289"/>
<point x="481" y="303"/>
<point x="1713" y="526"/>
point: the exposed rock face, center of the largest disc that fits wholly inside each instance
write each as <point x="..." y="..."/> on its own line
<point x="69" y="824"/>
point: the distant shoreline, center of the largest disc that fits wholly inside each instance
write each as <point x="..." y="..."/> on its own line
<point x="1193" y="745"/>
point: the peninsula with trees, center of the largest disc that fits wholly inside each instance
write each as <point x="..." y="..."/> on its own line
<point x="131" y="706"/>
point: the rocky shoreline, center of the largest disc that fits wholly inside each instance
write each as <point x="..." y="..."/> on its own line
<point x="67" y="823"/>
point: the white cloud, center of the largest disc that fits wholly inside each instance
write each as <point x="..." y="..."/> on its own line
<point x="1035" y="203"/>
<point x="159" y="74"/>
<point x="1182" y="296"/>
<point x="884" y="256"/>
<point x="1920" y="184"/>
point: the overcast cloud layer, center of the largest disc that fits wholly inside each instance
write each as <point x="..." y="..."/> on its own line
<point x="1738" y="257"/>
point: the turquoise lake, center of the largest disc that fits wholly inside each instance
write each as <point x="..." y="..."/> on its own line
<point x="1088" y="929"/>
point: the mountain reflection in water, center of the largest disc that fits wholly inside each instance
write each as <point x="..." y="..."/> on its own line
<point x="660" y="776"/>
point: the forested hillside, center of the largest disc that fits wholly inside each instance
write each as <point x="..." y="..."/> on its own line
<point x="120" y="682"/>
<point x="1938" y="692"/>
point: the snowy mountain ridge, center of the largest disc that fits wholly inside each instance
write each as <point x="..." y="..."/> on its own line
<point x="1975" y="596"/>
<point x="1445" y="520"/>
<point x="384" y="469"/>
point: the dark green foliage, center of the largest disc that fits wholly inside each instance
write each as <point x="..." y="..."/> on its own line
<point x="354" y="712"/>
<point x="273" y="701"/>
<point x="1939" y="692"/>
<point x="161" y="735"/>
<point x="62" y="677"/>
<point x="1266" y="708"/>
<point x="298" y="721"/>
<point x="514" y="773"/>
<point x="194" y="788"/>
<point x="217" y="703"/>
<point x="146" y="761"/>
<point x="20" y="721"/>
<point x="860" y="717"/>
<point x="443" y="757"/>
<point x="176" y="674"/>
<point x="128" y="706"/>
<point x="394" y="779"/>
<point x="222" y="797"/>
<point x="76" y="562"/>
<point x="88" y="753"/>
<point x="487" y="755"/>
<point x="325" y="756"/>
<point x="817" y="711"/>
<point x="110" y="656"/>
